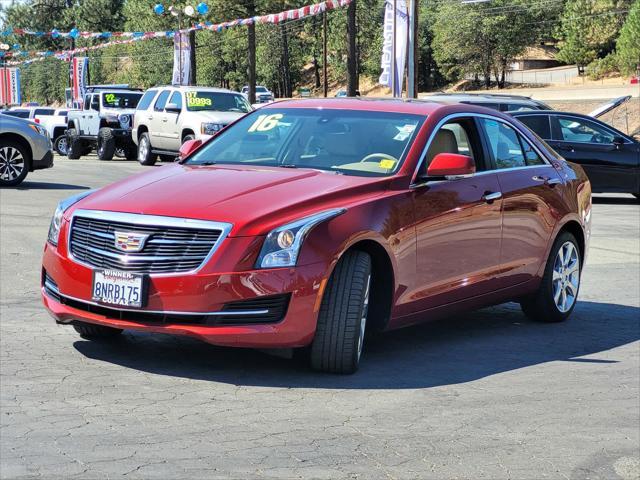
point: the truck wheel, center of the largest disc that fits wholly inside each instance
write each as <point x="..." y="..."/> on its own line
<point x="91" y="331"/>
<point x="145" y="155"/>
<point x="106" y="144"/>
<point x="60" y="144"/>
<point x="75" y="146"/>
<point x="188" y="137"/>
<point x="14" y="163"/>
<point x="337" y="345"/>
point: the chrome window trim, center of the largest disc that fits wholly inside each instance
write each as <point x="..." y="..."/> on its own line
<point x="602" y="125"/>
<point x="219" y="313"/>
<point x="151" y="221"/>
<point x="475" y="115"/>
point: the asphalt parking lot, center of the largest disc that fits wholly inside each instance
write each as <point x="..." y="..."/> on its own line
<point x="486" y="395"/>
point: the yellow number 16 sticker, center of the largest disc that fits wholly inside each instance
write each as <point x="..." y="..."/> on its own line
<point x="264" y="123"/>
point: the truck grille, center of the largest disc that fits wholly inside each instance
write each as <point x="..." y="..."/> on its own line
<point x="167" y="249"/>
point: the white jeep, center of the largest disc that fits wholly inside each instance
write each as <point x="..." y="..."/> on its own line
<point x="104" y="123"/>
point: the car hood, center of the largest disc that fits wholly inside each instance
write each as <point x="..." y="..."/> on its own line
<point x="218" y="117"/>
<point x="253" y="199"/>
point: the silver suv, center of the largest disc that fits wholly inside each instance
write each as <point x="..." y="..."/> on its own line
<point x="167" y="117"/>
<point x="24" y="147"/>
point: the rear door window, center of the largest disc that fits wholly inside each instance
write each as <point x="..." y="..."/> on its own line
<point x="161" y="101"/>
<point x="578" y="130"/>
<point x="539" y="124"/>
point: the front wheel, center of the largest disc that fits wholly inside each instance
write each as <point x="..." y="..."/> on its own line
<point x="60" y="144"/>
<point x="145" y="154"/>
<point x="339" y="339"/>
<point x="14" y="163"/>
<point x="556" y="297"/>
<point x="75" y="146"/>
<point x="106" y="144"/>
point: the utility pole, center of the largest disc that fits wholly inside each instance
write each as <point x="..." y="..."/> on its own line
<point x="352" y="73"/>
<point x="325" y="80"/>
<point x="251" y="40"/>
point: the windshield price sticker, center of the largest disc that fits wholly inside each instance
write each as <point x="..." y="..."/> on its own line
<point x="387" y="164"/>
<point x="193" y="100"/>
<point x="264" y="123"/>
<point x="404" y="132"/>
<point x="110" y="98"/>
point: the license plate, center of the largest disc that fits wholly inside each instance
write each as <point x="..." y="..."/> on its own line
<point x="119" y="288"/>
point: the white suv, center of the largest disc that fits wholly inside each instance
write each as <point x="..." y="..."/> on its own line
<point x="167" y="117"/>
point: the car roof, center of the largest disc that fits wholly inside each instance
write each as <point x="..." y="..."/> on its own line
<point x="482" y="96"/>
<point x="396" y="105"/>
<point x="192" y="88"/>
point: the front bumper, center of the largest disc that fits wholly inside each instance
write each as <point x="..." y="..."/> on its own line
<point x="45" y="162"/>
<point x="122" y="135"/>
<point x="198" y="294"/>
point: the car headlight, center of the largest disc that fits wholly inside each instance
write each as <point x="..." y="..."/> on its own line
<point x="282" y="245"/>
<point x="56" y="220"/>
<point x="211" y="128"/>
<point x="38" y="129"/>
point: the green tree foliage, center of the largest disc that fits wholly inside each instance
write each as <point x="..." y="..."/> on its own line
<point x="589" y="29"/>
<point x="628" y="45"/>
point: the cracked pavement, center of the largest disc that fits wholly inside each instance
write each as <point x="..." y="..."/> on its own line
<point x="485" y="395"/>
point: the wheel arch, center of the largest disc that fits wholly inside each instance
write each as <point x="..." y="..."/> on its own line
<point x="23" y="142"/>
<point x="185" y="132"/>
<point x="140" y="130"/>
<point x="575" y="229"/>
<point x="382" y="281"/>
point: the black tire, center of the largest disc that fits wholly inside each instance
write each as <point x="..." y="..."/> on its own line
<point x="75" y="146"/>
<point x="337" y="345"/>
<point x="541" y="306"/>
<point x="106" y="144"/>
<point x="131" y="152"/>
<point x="145" y="155"/>
<point x="188" y="137"/>
<point x="168" y="158"/>
<point x="91" y="331"/>
<point x="60" y="144"/>
<point x="14" y="163"/>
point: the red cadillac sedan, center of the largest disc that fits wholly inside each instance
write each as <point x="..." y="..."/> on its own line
<point x="307" y="223"/>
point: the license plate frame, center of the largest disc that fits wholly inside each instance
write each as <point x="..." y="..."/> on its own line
<point x="134" y="288"/>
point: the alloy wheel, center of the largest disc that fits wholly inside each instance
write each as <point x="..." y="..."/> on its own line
<point x="363" y="319"/>
<point x="62" y="145"/>
<point x="143" y="150"/>
<point x="566" y="277"/>
<point x="11" y="163"/>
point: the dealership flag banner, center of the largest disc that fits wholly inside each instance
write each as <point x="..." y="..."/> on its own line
<point x="10" y="86"/>
<point x="79" y="67"/>
<point x="402" y="25"/>
<point x="181" y="58"/>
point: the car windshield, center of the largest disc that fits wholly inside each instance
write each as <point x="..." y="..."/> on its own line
<point x="121" y="99"/>
<point x="363" y="143"/>
<point x="198" y="101"/>
<point x="261" y="90"/>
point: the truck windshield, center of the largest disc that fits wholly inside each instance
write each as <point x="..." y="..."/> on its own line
<point x="198" y="101"/>
<point x="121" y="99"/>
<point x="351" y="142"/>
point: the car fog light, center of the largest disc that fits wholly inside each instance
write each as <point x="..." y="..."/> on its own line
<point x="286" y="238"/>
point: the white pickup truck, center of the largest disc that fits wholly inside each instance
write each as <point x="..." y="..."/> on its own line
<point x="56" y="127"/>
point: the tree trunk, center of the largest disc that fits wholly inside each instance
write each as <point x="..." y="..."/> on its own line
<point x="286" y="70"/>
<point x="251" y="64"/>
<point x="352" y="70"/>
<point x="316" y="68"/>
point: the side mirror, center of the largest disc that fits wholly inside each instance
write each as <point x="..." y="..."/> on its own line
<point x="172" y="107"/>
<point x="451" y="166"/>
<point x="188" y="148"/>
<point x="618" y="141"/>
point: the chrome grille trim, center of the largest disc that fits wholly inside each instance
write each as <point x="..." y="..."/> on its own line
<point x="196" y="254"/>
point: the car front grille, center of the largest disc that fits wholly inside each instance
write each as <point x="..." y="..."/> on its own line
<point x="167" y="249"/>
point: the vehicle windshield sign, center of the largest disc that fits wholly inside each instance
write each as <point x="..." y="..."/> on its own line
<point x="363" y="143"/>
<point x="121" y="99"/>
<point x="199" y="101"/>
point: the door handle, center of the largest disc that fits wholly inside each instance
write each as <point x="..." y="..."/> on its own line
<point x="165" y="119"/>
<point x="150" y="117"/>
<point x="489" y="197"/>
<point x="546" y="180"/>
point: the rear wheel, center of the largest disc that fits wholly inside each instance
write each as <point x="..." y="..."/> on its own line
<point x="188" y="137"/>
<point x="106" y="144"/>
<point x="91" y="331"/>
<point x="145" y="155"/>
<point x="558" y="292"/>
<point x="14" y="163"/>
<point x="339" y="339"/>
